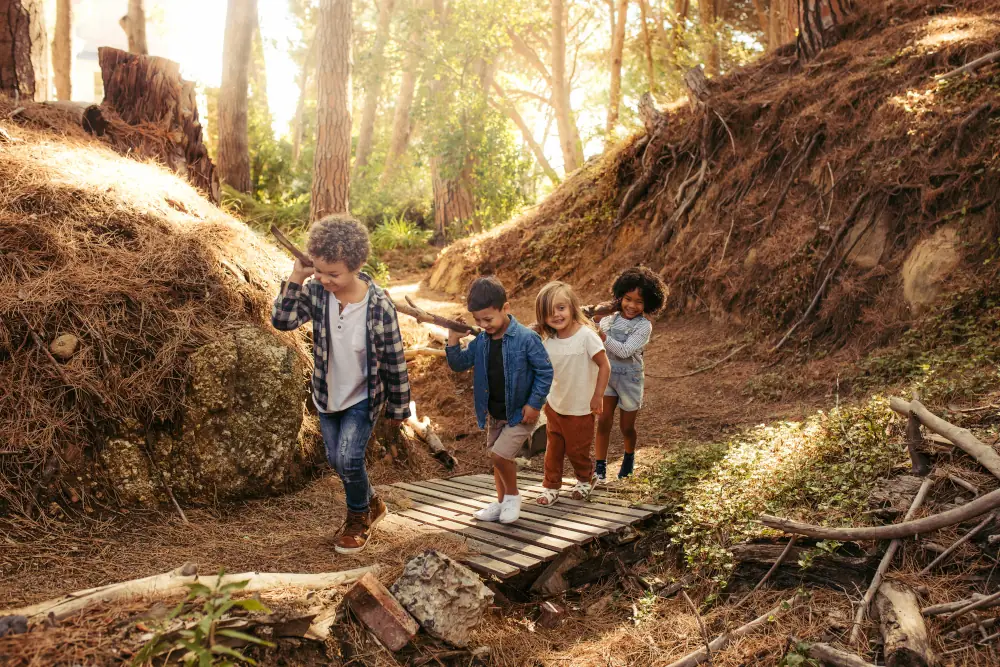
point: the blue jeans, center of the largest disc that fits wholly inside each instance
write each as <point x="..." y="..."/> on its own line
<point x="345" y="435"/>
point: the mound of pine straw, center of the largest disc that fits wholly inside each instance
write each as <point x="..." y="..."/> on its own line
<point x="132" y="261"/>
<point x="792" y="149"/>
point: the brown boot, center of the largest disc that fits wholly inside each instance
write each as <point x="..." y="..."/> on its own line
<point x="354" y="535"/>
<point x="376" y="512"/>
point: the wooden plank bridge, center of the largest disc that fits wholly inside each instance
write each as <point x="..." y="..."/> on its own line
<point x="541" y="533"/>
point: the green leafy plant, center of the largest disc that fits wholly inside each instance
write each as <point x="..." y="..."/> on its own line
<point x="200" y="639"/>
<point x="398" y="232"/>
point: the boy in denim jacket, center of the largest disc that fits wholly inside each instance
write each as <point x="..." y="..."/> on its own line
<point x="511" y="379"/>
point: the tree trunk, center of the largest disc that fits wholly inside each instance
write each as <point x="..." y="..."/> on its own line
<point x="332" y="163"/>
<point x="401" y="126"/>
<point x="647" y="41"/>
<point x="707" y="17"/>
<point x="149" y="92"/>
<point x="617" y="49"/>
<point x="782" y="23"/>
<point x="904" y="634"/>
<point x="679" y="16"/>
<point x="764" y="21"/>
<point x="453" y="198"/>
<point x="300" y="108"/>
<point x="569" y="136"/>
<point x="366" y="133"/>
<point x="134" y="25"/>
<point x="62" y="51"/>
<point x="23" y="63"/>
<point x="510" y="110"/>
<point x="234" y="151"/>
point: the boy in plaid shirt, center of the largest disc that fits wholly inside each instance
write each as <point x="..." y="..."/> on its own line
<point x="358" y="354"/>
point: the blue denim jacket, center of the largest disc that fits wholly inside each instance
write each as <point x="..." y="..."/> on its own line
<point x="526" y="368"/>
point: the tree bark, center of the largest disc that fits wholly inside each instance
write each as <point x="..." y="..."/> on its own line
<point x="149" y="92"/>
<point x="23" y="50"/>
<point x="332" y="163"/>
<point x="707" y="17"/>
<point x="300" y="107"/>
<point x="762" y="19"/>
<point x="234" y="150"/>
<point x="134" y="25"/>
<point x="569" y="136"/>
<point x="366" y="132"/>
<point x="647" y="41"/>
<point x="617" y="49"/>
<point x="62" y="51"/>
<point x="904" y="632"/>
<point x="782" y="23"/>
<point x="505" y="105"/>
<point x="401" y="124"/>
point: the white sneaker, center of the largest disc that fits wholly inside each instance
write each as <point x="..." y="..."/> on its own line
<point x="510" y="509"/>
<point x="489" y="513"/>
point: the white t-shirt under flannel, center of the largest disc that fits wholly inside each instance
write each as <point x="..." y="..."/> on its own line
<point x="576" y="372"/>
<point x="347" y="371"/>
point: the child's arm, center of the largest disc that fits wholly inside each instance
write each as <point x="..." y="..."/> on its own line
<point x="291" y="307"/>
<point x="603" y="375"/>
<point x="397" y="380"/>
<point x="459" y="359"/>
<point x="538" y="359"/>
<point x="637" y="340"/>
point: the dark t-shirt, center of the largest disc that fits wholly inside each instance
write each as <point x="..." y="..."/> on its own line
<point x="498" y="388"/>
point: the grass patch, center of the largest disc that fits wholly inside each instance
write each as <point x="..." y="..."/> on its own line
<point x="820" y="470"/>
<point x="398" y="232"/>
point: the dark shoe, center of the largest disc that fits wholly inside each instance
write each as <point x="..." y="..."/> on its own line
<point x="600" y="470"/>
<point x="376" y="512"/>
<point x="628" y="463"/>
<point x="354" y="535"/>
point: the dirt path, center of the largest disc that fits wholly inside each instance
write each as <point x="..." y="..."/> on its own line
<point x="293" y="532"/>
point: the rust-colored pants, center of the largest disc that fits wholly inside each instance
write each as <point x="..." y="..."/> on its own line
<point x="568" y="436"/>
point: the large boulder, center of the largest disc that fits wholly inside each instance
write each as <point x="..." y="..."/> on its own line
<point x="241" y="427"/>
<point x="928" y="265"/>
<point x="446" y="598"/>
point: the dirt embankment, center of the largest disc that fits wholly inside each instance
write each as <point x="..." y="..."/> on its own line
<point x="864" y="161"/>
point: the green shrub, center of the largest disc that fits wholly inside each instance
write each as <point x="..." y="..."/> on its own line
<point x="398" y="232"/>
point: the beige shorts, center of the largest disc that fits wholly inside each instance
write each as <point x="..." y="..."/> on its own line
<point x="506" y="441"/>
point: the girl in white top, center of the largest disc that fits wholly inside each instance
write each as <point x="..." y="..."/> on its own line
<point x="581" y="369"/>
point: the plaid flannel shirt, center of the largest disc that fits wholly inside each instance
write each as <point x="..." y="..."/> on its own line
<point x="388" y="382"/>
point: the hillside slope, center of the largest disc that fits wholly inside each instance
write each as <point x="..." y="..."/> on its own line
<point x="861" y="163"/>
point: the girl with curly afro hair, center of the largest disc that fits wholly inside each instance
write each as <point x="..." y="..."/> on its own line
<point x="638" y="293"/>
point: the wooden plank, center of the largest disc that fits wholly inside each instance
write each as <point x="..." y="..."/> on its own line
<point x="590" y="517"/>
<point x="608" y="497"/>
<point x="478" y="562"/>
<point x="478" y="500"/>
<point x="542" y="532"/>
<point x="623" y="509"/>
<point x="488" y="546"/>
<point x="604" y="494"/>
<point x="510" y="543"/>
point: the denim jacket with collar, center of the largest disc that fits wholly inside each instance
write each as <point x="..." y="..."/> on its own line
<point x="526" y="368"/>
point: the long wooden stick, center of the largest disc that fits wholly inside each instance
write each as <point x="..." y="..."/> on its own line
<point x="949" y="607"/>
<point x="830" y="655"/>
<point x="971" y="67"/>
<point x="723" y="640"/>
<point x="890" y="553"/>
<point x="174" y="582"/>
<point x="777" y="564"/>
<point x="960" y="437"/>
<point x="988" y="601"/>
<point x="422" y="315"/>
<point x="959" y="542"/>
<point x="290" y="247"/>
<point x="701" y="626"/>
<point x="977" y="507"/>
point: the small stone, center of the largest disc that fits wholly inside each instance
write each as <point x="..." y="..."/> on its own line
<point x="552" y="615"/>
<point x="599" y="605"/>
<point x="64" y="347"/>
<point x="446" y="598"/>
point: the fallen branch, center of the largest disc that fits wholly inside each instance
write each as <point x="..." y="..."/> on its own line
<point x="971" y="67"/>
<point x="422" y="429"/>
<point x="777" y="563"/>
<point x="702" y="369"/>
<point x="414" y="352"/>
<point x="701" y="626"/>
<point x="949" y="607"/>
<point x="968" y="486"/>
<point x="988" y="601"/>
<point x="723" y="640"/>
<point x="919" y="464"/>
<point x="959" y="542"/>
<point x="904" y="633"/>
<point x="964" y="125"/>
<point x="422" y="315"/>
<point x="290" y="247"/>
<point x="960" y="437"/>
<point x="829" y="655"/>
<point x="890" y="553"/>
<point x="175" y="582"/>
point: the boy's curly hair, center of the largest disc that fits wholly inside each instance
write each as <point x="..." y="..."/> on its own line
<point x="646" y="281"/>
<point x="340" y="238"/>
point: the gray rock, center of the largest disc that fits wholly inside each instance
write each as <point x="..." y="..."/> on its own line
<point x="13" y="625"/>
<point x="447" y="598"/>
<point x="241" y="428"/>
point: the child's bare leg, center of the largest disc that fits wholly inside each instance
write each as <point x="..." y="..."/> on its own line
<point x="627" y="424"/>
<point x="498" y="480"/>
<point x="604" y="425"/>
<point x="505" y="472"/>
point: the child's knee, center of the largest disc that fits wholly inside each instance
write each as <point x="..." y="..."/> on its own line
<point x="606" y="421"/>
<point x="628" y="431"/>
